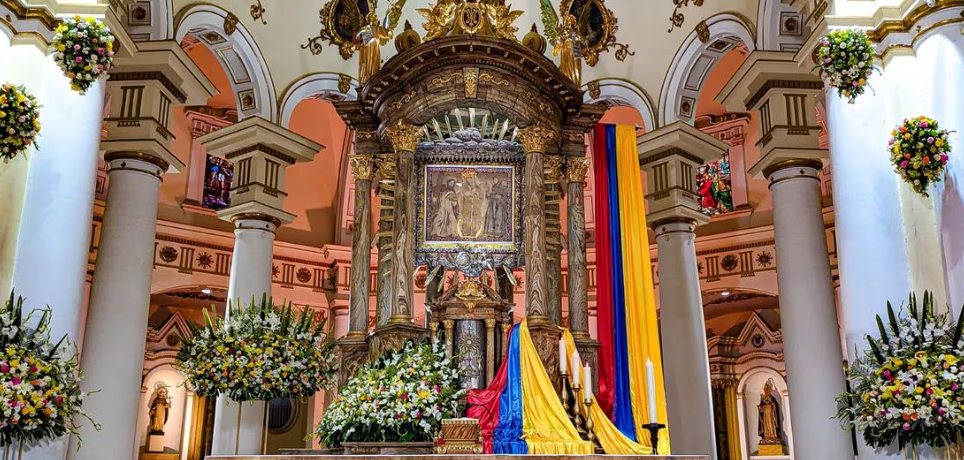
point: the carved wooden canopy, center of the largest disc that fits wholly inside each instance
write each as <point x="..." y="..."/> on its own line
<point x="472" y="71"/>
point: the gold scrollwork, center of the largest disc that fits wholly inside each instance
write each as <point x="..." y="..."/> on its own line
<point x="491" y="79"/>
<point x="257" y="12"/>
<point x="594" y="89"/>
<point x="230" y="24"/>
<point x="676" y="19"/>
<point x="344" y="83"/>
<point x="482" y="17"/>
<point x="552" y="167"/>
<point x="441" y="80"/>
<point x="402" y="101"/>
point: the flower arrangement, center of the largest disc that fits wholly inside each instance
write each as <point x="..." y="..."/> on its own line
<point x="84" y="49"/>
<point x="257" y="353"/>
<point x="919" y="150"/>
<point x="909" y="386"/>
<point x="19" y="120"/>
<point x="846" y="60"/>
<point x="401" y="397"/>
<point x="39" y="380"/>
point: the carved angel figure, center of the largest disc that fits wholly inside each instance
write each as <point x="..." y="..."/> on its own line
<point x="372" y="36"/>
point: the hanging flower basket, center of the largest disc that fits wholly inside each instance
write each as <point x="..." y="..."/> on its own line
<point x="919" y="150"/>
<point x="909" y="386"/>
<point x="846" y="62"/>
<point x="19" y="121"/>
<point x="84" y="49"/>
<point x="259" y="352"/>
<point x="39" y="380"/>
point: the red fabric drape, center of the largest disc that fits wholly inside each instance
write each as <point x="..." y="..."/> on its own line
<point x="605" y="357"/>
<point x="484" y="405"/>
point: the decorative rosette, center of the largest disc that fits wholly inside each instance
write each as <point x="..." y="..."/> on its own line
<point x="259" y="352"/>
<point x="846" y="60"/>
<point x="19" y="120"/>
<point x="919" y="150"/>
<point x="909" y="386"/>
<point x="84" y="51"/>
<point x="401" y="397"/>
<point x="39" y="380"/>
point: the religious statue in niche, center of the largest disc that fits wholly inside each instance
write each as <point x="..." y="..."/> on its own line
<point x="468" y="204"/>
<point x="714" y="184"/>
<point x="219" y="173"/>
<point x="768" y="424"/>
<point x="160" y="408"/>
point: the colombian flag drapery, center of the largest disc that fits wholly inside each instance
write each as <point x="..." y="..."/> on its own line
<point x="625" y="301"/>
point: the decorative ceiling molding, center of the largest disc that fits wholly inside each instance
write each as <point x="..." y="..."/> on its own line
<point x="676" y="19"/>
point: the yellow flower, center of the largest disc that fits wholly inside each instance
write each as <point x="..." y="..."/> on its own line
<point x="919" y="390"/>
<point x="20" y="98"/>
<point x="76" y="17"/>
<point x="91" y="20"/>
<point x="906" y="135"/>
<point x="61" y="48"/>
<point x="939" y="142"/>
<point x="3" y="114"/>
<point x="862" y="81"/>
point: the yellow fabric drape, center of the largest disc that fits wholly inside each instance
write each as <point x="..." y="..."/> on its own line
<point x="610" y="438"/>
<point x="545" y="424"/>
<point x="641" y="323"/>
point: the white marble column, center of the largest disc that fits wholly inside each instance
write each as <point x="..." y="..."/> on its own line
<point x="119" y="300"/>
<point x="257" y="202"/>
<point x="250" y="279"/>
<point x="807" y="310"/>
<point x="674" y="153"/>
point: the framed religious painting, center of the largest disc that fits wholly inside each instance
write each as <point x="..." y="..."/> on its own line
<point x="469" y="205"/>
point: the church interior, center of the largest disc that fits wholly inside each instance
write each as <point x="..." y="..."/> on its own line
<point x="405" y="170"/>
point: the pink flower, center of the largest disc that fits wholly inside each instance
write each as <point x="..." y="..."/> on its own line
<point x="79" y="59"/>
<point x="929" y="391"/>
<point x="944" y="160"/>
<point x="856" y="84"/>
<point x="953" y="385"/>
<point x="930" y="140"/>
<point x="906" y="427"/>
<point x="891" y="141"/>
<point x="904" y="164"/>
<point x="76" y="47"/>
<point x="4" y="368"/>
<point x="16" y="381"/>
<point x="101" y="50"/>
<point x="924" y="124"/>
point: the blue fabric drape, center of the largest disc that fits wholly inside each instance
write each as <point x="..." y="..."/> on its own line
<point x="622" y="406"/>
<point x="507" y="438"/>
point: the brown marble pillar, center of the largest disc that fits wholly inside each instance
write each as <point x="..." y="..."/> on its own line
<point x="404" y="139"/>
<point x="552" y="169"/>
<point x="535" y="141"/>
<point x="362" y="169"/>
<point x="576" y="169"/>
<point x="386" y="195"/>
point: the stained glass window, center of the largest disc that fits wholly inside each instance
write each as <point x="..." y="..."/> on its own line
<point x="218" y="175"/>
<point x="713" y="181"/>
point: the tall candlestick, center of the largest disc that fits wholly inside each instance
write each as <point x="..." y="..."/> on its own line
<point x="575" y="368"/>
<point x="563" y="362"/>
<point x="651" y="390"/>
<point x="587" y="383"/>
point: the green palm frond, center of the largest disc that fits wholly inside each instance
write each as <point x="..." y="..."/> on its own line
<point x="550" y="20"/>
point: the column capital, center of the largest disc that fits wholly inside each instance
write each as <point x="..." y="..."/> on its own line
<point x="261" y="152"/>
<point x="785" y="95"/>
<point x="552" y="168"/>
<point x="670" y="156"/>
<point x="536" y="138"/>
<point x="576" y="169"/>
<point x="143" y="88"/>
<point x="403" y="137"/>
<point x="362" y="167"/>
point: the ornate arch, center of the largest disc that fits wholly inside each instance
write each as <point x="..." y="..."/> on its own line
<point x="332" y="87"/>
<point x="618" y="92"/>
<point x="238" y="54"/>
<point x="780" y="27"/>
<point x="695" y="59"/>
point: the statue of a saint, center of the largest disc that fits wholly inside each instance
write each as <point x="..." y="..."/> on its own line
<point x="497" y="214"/>
<point x="160" y="408"/>
<point x="446" y="203"/>
<point x="769" y="422"/>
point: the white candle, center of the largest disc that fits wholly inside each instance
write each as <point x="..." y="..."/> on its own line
<point x="563" y="362"/>
<point x="587" y="384"/>
<point x="651" y="390"/>
<point x="575" y="368"/>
